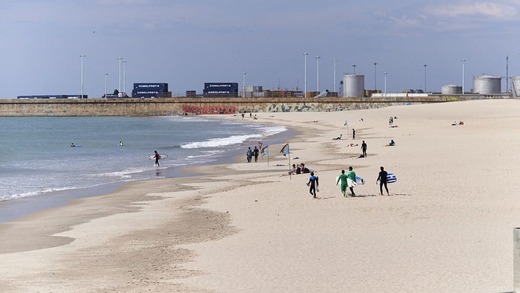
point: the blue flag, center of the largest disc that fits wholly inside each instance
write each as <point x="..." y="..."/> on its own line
<point x="264" y="151"/>
<point x="285" y="150"/>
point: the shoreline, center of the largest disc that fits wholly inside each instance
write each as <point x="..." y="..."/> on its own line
<point x="251" y="227"/>
<point x="11" y="210"/>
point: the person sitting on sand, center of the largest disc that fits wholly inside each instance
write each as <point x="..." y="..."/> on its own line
<point x="461" y="123"/>
<point x="338" y="138"/>
<point x="293" y="170"/>
<point x="392" y="143"/>
<point x="454" y="123"/>
<point x="304" y="169"/>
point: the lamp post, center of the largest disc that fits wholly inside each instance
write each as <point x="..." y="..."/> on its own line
<point x="119" y="60"/>
<point x="124" y="75"/>
<point x="463" y="61"/>
<point x="507" y="74"/>
<point x="425" y="65"/>
<point x="385" y="82"/>
<point x="82" y="57"/>
<point x="244" y="84"/>
<point x="106" y="76"/>
<point x="354" y="65"/>
<point x="305" y="75"/>
<point x="375" y="76"/>
<point x="334" y="76"/>
<point x="318" y="74"/>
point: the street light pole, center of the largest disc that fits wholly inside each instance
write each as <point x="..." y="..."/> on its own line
<point x="318" y="74"/>
<point x="425" y="65"/>
<point x="106" y="76"/>
<point x="119" y="73"/>
<point x="124" y="75"/>
<point x="385" y="83"/>
<point x="507" y="74"/>
<point x="375" y="76"/>
<point x="305" y="75"/>
<point x="463" y="61"/>
<point x="82" y="56"/>
<point x="334" y="63"/>
<point x="244" y="84"/>
<point x="354" y="65"/>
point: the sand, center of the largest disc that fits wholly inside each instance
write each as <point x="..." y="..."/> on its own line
<point x="446" y="226"/>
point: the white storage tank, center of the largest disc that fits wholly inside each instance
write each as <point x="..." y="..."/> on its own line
<point x="451" y="90"/>
<point x="516" y="85"/>
<point x="487" y="84"/>
<point x="353" y="85"/>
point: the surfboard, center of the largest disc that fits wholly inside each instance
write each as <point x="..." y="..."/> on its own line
<point x="391" y="178"/>
<point x="359" y="180"/>
<point x="152" y="157"/>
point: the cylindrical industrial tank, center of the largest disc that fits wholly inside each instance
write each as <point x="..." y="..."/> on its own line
<point x="516" y="85"/>
<point x="353" y="85"/>
<point x="487" y="84"/>
<point x="451" y="90"/>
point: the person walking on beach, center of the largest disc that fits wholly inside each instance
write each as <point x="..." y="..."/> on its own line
<point x="353" y="133"/>
<point x="364" y="149"/>
<point x="157" y="157"/>
<point x="313" y="184"/>
<point x="249" y="154"/>
<point x="255" y="153"/>
<point x="382" y="178"/>
<point x="343" y="186"/>
<point x="351" y="180"/>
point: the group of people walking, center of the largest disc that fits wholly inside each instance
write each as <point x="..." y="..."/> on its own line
<point x="252" y="153"/>
<point x="350" y="180"/>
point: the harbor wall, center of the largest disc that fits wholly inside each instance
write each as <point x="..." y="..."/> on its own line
<point x="196" y="106"/>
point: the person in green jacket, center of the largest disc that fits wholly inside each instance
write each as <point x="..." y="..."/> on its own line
<point x="343" y="186"/>
<point x="351" y="180"/>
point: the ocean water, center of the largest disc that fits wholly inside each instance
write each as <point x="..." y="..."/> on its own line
<point x="36" y="157"/>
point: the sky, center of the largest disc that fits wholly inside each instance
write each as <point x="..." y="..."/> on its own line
<point x="186" y="43"/>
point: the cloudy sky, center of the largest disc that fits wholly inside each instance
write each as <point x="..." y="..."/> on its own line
<point x="186" y="43"/>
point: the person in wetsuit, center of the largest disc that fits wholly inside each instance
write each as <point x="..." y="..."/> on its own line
<point x="157" y="157"/>
<point x="313" y="184"/>
<point x="382" y="181"/>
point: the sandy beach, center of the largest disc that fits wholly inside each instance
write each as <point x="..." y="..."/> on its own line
<point x="447" y="225"/>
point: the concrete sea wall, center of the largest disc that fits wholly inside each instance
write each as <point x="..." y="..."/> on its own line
<point x="195" y="106"/>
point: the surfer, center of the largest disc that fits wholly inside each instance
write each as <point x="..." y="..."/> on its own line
<point x="256" y="152"/>
<point x="121" y="143"/>
<point x="249" y="154"/>
<point x="72" y="145"/>
<point x="343" y="186"/>
<point x="351" y="180"/>
<point x="157" y="157"/>
<point x="313" y="184"/>
<point x="382" y="178"/>
<point x="364" y="149"/>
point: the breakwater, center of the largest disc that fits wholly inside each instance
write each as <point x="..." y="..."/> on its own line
<point x="195" y="106"/>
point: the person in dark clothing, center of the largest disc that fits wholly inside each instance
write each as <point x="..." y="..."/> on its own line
<point x="353" y="133"/>
<point x="382" y="181"/>
<point x="364" y="149"/>
<point x="157" y="157"/>
<point x="255" y="153"/>
<point x="249" y="154"/>
<point x="313" y="184"/>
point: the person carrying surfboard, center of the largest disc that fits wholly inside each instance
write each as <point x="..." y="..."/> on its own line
<point x="343" y="186"/>
<point x="382" y="178"/>
<point x="351" y="180"/>
<point x="157" y="157"/>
